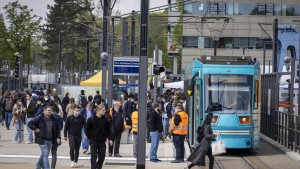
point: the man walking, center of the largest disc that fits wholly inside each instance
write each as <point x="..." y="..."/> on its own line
<point x="116" y="117"/>
<point x="156" y="128"/>
<point x="97" y="131"/>
<point x="30" y="109"/>
<point x="47" y="133"/>
<point x="73" y="127"/>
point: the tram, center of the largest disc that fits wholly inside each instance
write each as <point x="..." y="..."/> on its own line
<point x="228" y="87"/>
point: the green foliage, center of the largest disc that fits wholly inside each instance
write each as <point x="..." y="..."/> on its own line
<point x="22" y="24"/>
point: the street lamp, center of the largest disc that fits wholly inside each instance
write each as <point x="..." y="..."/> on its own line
<point x="104" y="57"/>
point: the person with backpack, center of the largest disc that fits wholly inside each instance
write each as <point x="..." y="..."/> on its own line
<point x="81" y="100"/>
<point x="9" y="104"/>
<point x="116" y="118"/>
<point x="205" y="137"/>
<point x="166" y="105"/>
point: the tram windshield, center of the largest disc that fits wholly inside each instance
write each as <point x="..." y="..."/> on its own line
<point x="228" y="93"/>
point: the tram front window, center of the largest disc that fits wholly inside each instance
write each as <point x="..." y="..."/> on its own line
<point x="228" y="93"/>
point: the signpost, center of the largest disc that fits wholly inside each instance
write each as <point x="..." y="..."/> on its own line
<point x="126" y="65"/>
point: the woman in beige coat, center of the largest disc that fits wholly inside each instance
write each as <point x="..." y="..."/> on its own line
<point x="17" y="122"/>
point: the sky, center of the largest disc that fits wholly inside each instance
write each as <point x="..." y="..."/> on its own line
<point x="40" y="6"/>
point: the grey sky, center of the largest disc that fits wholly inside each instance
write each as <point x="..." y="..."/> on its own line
<point x="40" y="6"/>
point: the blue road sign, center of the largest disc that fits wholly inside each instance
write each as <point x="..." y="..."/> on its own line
<point x="126" y="66"/>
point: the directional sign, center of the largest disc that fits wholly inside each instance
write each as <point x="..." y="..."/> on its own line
<point x="126" y="65"/>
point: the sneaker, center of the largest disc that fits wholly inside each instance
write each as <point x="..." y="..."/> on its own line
<point x="158" y="160"/>
<point x="75" y="165"/>
<point x="28" y="142"/>
<point x="88" y="152"/>
<point x="72" y="164"/>
<point x="14" y="142"/>
<point x="109" y="154"/>
<point x="117" y="155"/>
<point x="153" y="160"/>
<point x="84" y="151"/>
<point x="176" y="161"/>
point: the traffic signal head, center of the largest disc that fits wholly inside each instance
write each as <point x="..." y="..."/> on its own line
<point x="17" y="68"/>
<point x="157" y="69"/>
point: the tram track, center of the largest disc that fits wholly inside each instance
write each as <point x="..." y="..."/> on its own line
<point x="233" y="162"/>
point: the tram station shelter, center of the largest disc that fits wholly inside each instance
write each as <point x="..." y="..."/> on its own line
<point x="96" y="80"/>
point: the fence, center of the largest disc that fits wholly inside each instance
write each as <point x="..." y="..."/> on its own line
<point x="13" y="84"/>
<point x="282" y="127"/>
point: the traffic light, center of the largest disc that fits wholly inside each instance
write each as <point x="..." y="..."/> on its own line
<point x="17" y="69"/>
<point x="157" y="69"/>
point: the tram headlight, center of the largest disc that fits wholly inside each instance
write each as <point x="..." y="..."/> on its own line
<point x="245" y="119"/>
<point x="214" y="119"/>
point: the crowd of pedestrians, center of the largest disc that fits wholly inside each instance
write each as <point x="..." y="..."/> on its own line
<point x="87" y="122"/>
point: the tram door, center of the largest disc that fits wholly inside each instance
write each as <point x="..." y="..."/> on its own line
<point x="196" y="116"/>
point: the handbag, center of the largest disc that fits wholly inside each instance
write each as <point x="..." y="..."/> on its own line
<point x="218" y="147"/>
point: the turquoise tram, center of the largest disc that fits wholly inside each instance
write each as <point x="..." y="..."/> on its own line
<point x="228" y="87"/>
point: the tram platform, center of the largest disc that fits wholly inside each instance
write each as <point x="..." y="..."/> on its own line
<point x="25" y="156"/>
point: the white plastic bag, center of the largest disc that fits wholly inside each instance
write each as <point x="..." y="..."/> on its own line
<point x="218" y="147"/>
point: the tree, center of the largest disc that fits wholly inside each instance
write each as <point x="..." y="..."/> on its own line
<point x="22" y="24"/>
<point x="4" y="53"/>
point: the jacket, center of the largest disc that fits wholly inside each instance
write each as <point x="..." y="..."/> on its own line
<point x="16" y="112"/>
<point x="31" y="108"/>
<point x="39" y="122"/>
<point x="155" y="121"/>
<point x="198" y="155"/>
<point x="134" y="119"/>
<point x="97" y="129"/>
<point x="116" y="120"/>
<point x="182" y="127"/>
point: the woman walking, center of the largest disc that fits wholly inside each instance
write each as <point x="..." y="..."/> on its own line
<point x="198" y="155"/>
<point x="17" y="122"/>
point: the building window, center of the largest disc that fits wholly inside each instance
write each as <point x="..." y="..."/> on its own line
<point x="269" y="9"/>
<point x="199" y="8"/>
<point x="229" y="8"/>
<point x="245" y="9"/>
<point x="239" y="43"/>
<point x="190" y="41"/>
<point x="261" y="9"/>
<point x="225" y="42"/>
<point x="277" y="9"/>
<point x="218" y="8"/>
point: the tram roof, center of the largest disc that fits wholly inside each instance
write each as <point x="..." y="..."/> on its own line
<point x="227" y="60"/>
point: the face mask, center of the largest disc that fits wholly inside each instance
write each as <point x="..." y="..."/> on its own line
<point x="122" y="96"/>
<point x="46" y="98"/>
<point x="131" y="100"/>
<point x="39" y="102"/>
<point x="76" y="113"/>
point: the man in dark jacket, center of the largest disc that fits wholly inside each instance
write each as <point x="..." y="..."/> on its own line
<point x="97" y="130"/>
<point x="116" y="117"/>
<point x="47" y="133"/>
<point x="73" y="127"/>
<point x="30" y="110"/>
<point x="156" y="128"/>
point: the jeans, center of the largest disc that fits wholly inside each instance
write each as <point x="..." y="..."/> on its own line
<point x="166" y="125"/>
<point x="97" y="152"/>
<point x="30" y="132"/>
<point x="8" y="117"/>
<point x="19" y="132"/>
<point x="116" y="143"/>
<point x="178" y="141"/>
<point x="135" y="144"/>
<point x="74" y="143"/>
<point x="155" y="137"/>
<point x="85" y="141"/>
<point x="43" y="160"/>
<point x="54" y="155"/>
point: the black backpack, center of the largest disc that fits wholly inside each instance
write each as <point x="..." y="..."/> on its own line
<point x="200" y="132"/>
<point x="82" y="101"/>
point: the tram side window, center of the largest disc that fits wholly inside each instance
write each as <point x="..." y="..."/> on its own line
<point x="256" y="93"/>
